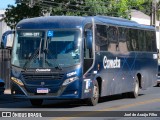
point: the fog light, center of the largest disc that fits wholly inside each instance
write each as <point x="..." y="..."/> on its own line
<point x="75" y="92"/>
<point x="14" y="92"/>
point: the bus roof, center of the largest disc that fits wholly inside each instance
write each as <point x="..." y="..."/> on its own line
<point x="55" y="22"/>
<point x="51" y="22"/>
<point x="121" y="22"/>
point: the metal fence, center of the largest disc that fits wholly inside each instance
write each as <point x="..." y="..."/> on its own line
<point x="5" y="62"/>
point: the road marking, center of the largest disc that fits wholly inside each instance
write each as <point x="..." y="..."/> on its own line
<point x="108" y="109"/>
<point x="130" y="105"/>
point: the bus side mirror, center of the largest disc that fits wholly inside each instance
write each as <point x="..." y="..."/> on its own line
<point x="89" y="39"/>
<point x="7" y="39"/>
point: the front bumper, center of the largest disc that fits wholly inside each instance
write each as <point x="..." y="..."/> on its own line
<point x="65" y="92"/>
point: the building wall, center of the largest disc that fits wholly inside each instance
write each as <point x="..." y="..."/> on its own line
<point x="3" y="25"/>
<point x="142" y="18"/>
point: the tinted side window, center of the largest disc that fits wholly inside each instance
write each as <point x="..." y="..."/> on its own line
<point x="148" y="41"/>
<point x="112" y="33"/>
<point x="133" y="33"/>
<point x="153" y="39"/>
<point x="123" y="32"/>
<point x="141" y="40"/>
<point x="128" y="39"/>
<point x="101" y="40"/>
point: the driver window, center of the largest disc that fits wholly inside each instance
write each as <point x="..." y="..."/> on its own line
<point x="88" y="53"/>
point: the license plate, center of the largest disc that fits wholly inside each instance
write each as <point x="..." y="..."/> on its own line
<point x="42" y="90"/>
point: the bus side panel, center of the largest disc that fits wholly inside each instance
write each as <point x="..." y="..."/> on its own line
<point x="147" y="69"/>
<point x="120" y="79"/>
<point x="116" y="78"/>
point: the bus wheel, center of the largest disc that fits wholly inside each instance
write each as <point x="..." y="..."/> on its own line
<point x="95" y="95"/>
<point x="36" y="102"/>
<point x="135" y="93"/>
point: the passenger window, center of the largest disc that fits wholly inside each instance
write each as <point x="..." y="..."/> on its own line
<point x="148" y="41"/>
<point x="141" y="40"/>
<point x="133" y="33"/>
<point x="153" y="39"/>
<point x="101" y="40"/>
<point x="112" y="33"/>
<point x="123" y="39"/>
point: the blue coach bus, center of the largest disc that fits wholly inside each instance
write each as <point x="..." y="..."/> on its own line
<point x="68" y="57"/>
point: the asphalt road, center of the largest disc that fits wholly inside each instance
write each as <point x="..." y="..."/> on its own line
<point x="146" y="106"/>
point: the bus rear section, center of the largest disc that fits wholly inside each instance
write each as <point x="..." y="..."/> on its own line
<point x="126" y="57"/>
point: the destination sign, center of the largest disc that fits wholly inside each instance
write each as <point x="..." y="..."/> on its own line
<point x="31" y="34"/>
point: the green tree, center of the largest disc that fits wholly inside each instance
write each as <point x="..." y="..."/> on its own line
<point x="21" y="11"/>
<point x="158" y="10"/>
<point x="144" y="6"/>
<point x="116" y="8"/>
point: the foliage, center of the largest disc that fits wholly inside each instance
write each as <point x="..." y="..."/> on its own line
<point x="143" y="5"/>
<point x="21" y="11"/>
<point x="117" y="8"/>
<point x="158" y="10"/>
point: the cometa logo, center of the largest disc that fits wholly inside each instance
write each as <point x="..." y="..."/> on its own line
<point x="108" y="63"/>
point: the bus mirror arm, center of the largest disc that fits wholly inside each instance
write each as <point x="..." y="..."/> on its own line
<point x="2" y="45"/>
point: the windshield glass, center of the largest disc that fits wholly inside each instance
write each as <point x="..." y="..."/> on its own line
<point x="38" y="49"/>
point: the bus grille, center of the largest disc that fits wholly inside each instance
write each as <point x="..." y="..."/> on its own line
<point x="41" y="76"/>
<point x="48" y="78"/>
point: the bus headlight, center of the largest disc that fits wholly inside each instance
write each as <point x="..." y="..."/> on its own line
<point x="18" y="81"/>
<point x="69" y="80"/>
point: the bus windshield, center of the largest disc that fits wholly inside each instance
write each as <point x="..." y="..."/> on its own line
<point x="38" y="49"/>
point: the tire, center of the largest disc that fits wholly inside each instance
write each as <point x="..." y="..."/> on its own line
<point x="36" y="102"/>
<point x="135" y="92"/>
<point x="95" y="95"/>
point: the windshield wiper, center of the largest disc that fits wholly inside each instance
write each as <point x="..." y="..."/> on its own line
<point x="33" y="56"/>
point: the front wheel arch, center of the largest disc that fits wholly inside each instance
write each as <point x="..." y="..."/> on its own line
<point x="99" y="80"/>
<point x="93" y="100"/>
